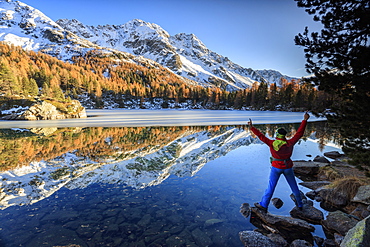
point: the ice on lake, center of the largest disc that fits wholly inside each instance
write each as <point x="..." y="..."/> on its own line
<point x="142" y="117"/>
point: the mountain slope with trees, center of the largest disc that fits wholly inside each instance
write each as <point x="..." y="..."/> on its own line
<point x="108" y="77"/>
<point x="183" y="54"/>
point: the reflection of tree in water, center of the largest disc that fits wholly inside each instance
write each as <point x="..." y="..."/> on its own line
<point x="22" y="147"/>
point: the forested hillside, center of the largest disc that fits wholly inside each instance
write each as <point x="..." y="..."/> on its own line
<point x="100" y="75"/>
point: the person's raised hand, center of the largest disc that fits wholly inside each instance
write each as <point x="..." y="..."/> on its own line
<point x="306" y="116"/>
<point x="250" y="123"/>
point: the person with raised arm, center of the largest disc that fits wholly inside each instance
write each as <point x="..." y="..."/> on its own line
<point x="281" y="150"/>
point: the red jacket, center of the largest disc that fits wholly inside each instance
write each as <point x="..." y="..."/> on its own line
<point x="285" y="152"/>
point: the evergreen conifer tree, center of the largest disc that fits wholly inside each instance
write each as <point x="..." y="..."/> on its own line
<point x="338" y="56"/>
<point x="7" y="81"/>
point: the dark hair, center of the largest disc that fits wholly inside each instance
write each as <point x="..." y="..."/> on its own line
<point x="282" y="131"/>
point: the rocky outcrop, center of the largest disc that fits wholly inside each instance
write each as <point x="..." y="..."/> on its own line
<point x="43" y="110"/>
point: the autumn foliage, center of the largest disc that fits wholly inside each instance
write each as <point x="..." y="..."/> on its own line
<point x="19" y="148"/>
<point x="100" y="74"/>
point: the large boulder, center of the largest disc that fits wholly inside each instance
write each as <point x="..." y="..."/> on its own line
<point x="339" y="222"/>
<point x="44" y="110"/>
<point x="288" y="227"/>
<point x="359" y="235"/>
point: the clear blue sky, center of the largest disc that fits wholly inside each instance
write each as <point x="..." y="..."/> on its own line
<point x="257" y="34"/>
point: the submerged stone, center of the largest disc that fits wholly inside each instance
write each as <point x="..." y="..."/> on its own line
<point x="201" y="238"/>
<point x="212" y="222"/>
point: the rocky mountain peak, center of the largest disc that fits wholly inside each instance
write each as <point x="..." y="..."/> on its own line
<point x="145" y="28"/>
<point x="27" y="17"/>
<point x="190" y="41"/>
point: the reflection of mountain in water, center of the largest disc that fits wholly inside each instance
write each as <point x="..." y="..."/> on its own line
<point x="183" y="157"/>
<point x="138" y="168"/>
<point x="137" y="157"/>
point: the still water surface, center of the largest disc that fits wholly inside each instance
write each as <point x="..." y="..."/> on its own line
<point x="138" y="186"/>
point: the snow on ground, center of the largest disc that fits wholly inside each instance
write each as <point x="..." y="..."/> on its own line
<point x="15" y="110"/>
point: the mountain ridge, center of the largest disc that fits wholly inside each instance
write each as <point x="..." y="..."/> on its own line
<point x="184" y="54"/>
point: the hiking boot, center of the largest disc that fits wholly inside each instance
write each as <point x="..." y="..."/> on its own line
<point x="260" y="207"/>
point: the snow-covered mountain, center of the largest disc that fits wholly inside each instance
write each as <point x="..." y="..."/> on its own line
<point x="25" y="26"/>
<point x="182" y="157"/>
<point x="184" y="54"/>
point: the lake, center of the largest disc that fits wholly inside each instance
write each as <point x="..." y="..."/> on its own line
<point x="170" y="117"/>
<point x="141" y="177"/>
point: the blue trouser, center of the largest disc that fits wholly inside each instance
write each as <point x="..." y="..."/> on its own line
<point x="274" y="178"/>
